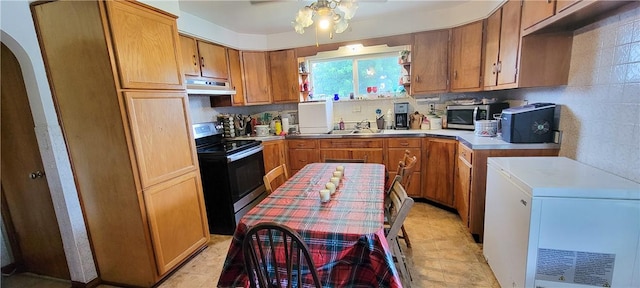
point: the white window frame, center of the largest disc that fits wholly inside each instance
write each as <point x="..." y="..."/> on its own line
<point x="355" y="53"/>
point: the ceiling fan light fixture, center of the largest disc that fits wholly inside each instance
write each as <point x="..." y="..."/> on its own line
<point x="331" y="15"/>
<point x="348" y="7"/>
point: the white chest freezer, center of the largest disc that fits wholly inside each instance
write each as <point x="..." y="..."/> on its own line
<point x="555" y="222"/>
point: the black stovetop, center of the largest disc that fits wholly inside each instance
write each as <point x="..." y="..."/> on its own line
<point x="224" y="147"/>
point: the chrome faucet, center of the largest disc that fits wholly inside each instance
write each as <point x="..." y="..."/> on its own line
<point x="364" y="124"/>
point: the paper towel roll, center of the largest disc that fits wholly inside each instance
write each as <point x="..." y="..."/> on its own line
<point x="285" y="124"/>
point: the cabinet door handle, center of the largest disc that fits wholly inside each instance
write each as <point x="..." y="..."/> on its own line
<point x="195" y="62"/>
<point x="493" y="70"/>
<point x="202" y="61"/>
<point x="36" y="174"/>
<point x="417" y="78"/>
<point x="455" y="75"/>
<point x="499" y="66"/>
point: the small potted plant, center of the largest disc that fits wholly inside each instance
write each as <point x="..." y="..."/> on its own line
<point x="404" y="56"/>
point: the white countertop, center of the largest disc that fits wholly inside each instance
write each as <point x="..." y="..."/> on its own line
<point x="467" y="137"/>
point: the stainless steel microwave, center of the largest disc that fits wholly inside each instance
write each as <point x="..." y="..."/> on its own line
<point x="465" y="116"/>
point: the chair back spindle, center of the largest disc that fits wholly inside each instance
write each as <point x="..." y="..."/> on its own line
<point x="276" y="256"/>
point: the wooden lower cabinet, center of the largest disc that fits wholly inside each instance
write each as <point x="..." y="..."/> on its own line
<point x="172" y="206"/>
<point x="462" y="183"/>
<point x="301" y="153"/>
<point x="370" y="150"/>
<point x="274" y="156"/>
<point x="396" y="148"/>
<point x="478" y="183"/>
<point x="438" y="170"/>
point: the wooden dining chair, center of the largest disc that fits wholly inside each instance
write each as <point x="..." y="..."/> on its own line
<point x="276" y="256"/>
<point x="274" y="174"/>
<point x="399" y="206"/>
<point x="405" y="170"/>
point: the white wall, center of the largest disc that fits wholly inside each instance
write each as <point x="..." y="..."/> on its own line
<point x="601" y="104"/>
<point x="18" y="34"/>
<point x="416" y="21"/>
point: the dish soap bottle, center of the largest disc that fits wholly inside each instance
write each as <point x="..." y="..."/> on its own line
<point x="341" y="124"/>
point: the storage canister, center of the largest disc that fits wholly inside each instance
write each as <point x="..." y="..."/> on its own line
<point x="262" y="130"/>
<point x="435" y="122"/>
<point x="486" y="128"/>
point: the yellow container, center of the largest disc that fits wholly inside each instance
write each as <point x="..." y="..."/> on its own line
<point x="278" y="127"/>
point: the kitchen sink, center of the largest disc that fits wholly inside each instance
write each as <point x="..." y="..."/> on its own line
<point x="361" y="131"/>
<point x="341" y="132"/>
<point x="366" y="131"/>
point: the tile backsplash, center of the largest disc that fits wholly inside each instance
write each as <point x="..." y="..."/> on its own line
<point x="600" y="116"/>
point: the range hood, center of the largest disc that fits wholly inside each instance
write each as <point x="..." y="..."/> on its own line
<point x="208" y="88"/>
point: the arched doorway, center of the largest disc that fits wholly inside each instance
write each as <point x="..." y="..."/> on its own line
<point x="27" y="207"/>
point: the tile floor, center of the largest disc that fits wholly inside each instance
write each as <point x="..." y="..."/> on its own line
<point x="443" y="255"/>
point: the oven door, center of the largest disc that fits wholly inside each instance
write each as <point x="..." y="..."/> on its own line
<point x="246" y="169"/>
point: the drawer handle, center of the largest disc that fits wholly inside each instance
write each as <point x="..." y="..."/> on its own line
<point x="404" y="144"/>
<point x="464" y="154"/>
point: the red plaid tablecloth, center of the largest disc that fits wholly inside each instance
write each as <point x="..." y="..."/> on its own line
<point x="345" y="235"/>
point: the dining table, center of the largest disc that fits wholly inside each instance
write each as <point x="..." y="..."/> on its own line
<point x="345" y="235"/>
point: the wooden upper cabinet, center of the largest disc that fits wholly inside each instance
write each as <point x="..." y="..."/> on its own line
<point x="161" y="132"/>
<point x="284" y="76"/>
<point x="257" y="82"/>
<point x="535" y="11"/>
<point x="492" y="49"/>
<point x="190" y="61"/>
<point x="203" y="59"/>
<point x="564" y="4"/>
<point x="429" y="62"/>
<point x="466" y="57"/>
<point x="509" y="43"/>
<point x="235" y="76"/>
<point x="144" y="64"/>
<point x="213" y="61"/>
<point x="502" y="42"/>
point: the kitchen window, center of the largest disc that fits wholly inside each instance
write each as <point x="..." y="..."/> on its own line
<point x="363" y="74"/>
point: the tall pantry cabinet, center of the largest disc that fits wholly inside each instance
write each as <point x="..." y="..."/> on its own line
<point x="115" y="75"/>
